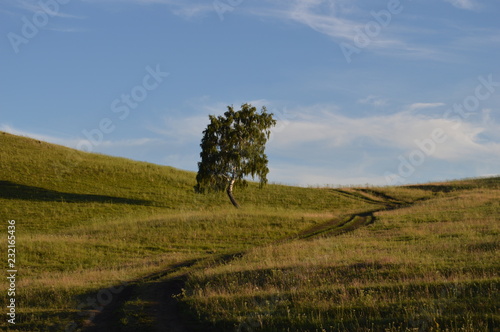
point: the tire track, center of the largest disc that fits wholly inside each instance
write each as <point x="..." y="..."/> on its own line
<point x="109" y="319"/>
<point x="164" y="309"/>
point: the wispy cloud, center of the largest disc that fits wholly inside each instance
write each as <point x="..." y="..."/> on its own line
<point x="34" y="7"/>
<point x="129" y="143"/>
<point x="7" y="12"/>
<point x="76" y="142"/>
<point x="176" y="126"/>
<point x="186" y="9"/>
<point x="189" y="11"/>
<point x="343" y="20"/>
<point x="464" y="4"/>
<point x="323" y="19"/>
<point x="318" y="126"/>
<point x="418" y="106"/>
<point x="322" y="144"/>
<point x="181" y="129"/>
<point x="69" y="142"/>
<point x="309" y="175"/>
<point x="67" y="30"/>
<point x="373" y="101"/>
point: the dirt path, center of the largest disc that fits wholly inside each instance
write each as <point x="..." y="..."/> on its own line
<point x="350" y="222"/>
<point x="163" y="306"/>
<point x="339" y="225"/>
<point x="166" y="311"/>
<point x="106" y="319"/>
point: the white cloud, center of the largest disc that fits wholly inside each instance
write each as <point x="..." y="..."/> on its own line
<point x="194" y="10"/>
<point x="464" y="4"/>
<point x="323" y="19"/>
<point x="332" y="131"/>
<point x="322" y="144"/>
<point x="34" y="7"/>
<point x="343" y="20"/>
<point x="309" y="175"/>
<point x="181" y="130"/>
<point x="417" y="106"/>
<point x="182" y="8"/>
<point x="321" y="133"/>
<point x="69" y="142"/>
<point x="128" y="143"/>
<point x="374" y="101"/>
<point x="78" y="142"/>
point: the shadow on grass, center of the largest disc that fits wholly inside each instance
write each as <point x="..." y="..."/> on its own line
<point x="11" y="190"/>
<point x="440" y="188"/>
<point x="466" y="184"/>
<point x="115" y="312"/>
<point x="422" y="306"/>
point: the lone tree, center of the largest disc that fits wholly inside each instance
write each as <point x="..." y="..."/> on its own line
<point x="232" y="148"/>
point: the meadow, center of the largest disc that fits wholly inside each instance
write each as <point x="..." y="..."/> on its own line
<point x="414" y="258"/>
<point x="431" y="266"/>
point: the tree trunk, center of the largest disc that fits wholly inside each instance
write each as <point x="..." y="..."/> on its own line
<point x="230" y="193"/>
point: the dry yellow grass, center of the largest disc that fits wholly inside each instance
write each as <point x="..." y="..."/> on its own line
<point x="430" y="266"/>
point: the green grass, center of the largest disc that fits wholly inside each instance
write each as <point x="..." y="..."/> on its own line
<point x="87" y="221"/>
<point x="292" y="259"/>
<point x="432" y="265"/>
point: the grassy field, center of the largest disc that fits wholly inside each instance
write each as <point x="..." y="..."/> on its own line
<point x="131" y="234"/>
<point x="431" y="266"/>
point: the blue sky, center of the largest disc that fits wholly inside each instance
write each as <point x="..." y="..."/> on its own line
<point x="377" y="92"/>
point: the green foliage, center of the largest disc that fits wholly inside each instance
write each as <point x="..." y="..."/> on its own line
<point x="233" y="147"/>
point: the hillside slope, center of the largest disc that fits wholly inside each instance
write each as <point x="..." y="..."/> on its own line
<point x="103" y="243"/>
<point x="88" y="221"/>
<point x="429" y="265"/>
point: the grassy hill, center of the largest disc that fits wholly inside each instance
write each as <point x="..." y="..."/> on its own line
<point x="128" y="235"/>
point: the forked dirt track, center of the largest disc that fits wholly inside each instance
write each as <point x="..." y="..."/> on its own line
<point x="164" y="306"/>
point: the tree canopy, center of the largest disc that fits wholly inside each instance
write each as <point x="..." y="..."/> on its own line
<point x="232" y="148"/>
